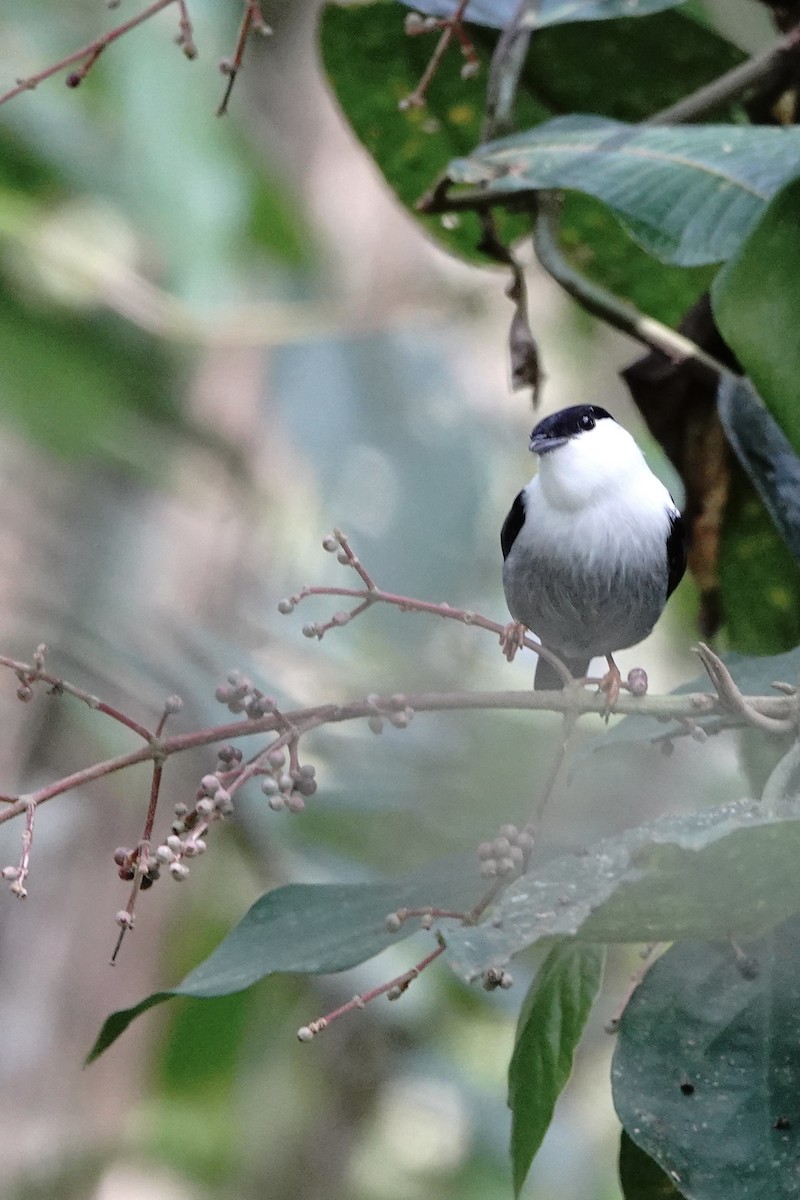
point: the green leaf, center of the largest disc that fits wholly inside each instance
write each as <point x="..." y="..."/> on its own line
<point x="371" y="66"/>
<point x="498" y="13"/>
<point x="687" y="194"/>
<point x="640" y="1178"/>
<point x="311" y="929"/>
<point x="765" y="453"/>
<point x="759" y="579"/>
<point x="550" y="1026"/>
<point x="755" y="306"/>
<point x="706" y="1072"/>
<point x="695" y="875"/>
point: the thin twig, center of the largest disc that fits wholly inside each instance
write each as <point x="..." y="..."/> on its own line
<point x="394" y="987"/>
<point x="251" y="20"/>
<point x="31" y="673"/>
<point x="450" y="26"/>
<point x="733" y="700"/>
<point x="88" y="55"/>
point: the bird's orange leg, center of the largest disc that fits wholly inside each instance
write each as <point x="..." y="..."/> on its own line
<point x="512" y="638"/>
<point x="610" y="684"/>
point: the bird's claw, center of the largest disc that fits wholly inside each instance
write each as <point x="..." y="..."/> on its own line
<point x="611" y="684"/>
<point x="512" y="639"/>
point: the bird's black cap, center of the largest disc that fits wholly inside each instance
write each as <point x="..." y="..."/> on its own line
<point x="558" y="428"/>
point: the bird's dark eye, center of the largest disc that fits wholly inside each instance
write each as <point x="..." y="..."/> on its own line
<point x="587" y="421"/>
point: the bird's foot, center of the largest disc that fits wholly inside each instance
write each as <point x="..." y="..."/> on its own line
<point x="611" y="684"/>
<point x="512" y="639"/>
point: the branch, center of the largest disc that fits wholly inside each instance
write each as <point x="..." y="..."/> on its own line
<point x="252" y="22"/>
<point x="89" y="55"/>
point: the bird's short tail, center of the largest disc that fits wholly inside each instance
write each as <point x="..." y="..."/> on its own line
<point x="547" y="678"/>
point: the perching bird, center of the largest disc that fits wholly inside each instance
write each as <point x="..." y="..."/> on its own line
<point x="593" y="546"/>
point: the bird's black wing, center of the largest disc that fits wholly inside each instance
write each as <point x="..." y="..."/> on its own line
<point x="677" y="546"/>
<point x="512" y="524"/>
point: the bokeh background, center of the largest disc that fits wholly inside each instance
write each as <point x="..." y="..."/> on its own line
<point x="218" y="339"/>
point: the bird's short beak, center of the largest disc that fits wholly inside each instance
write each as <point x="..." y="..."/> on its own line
<point x="540" y="443"/>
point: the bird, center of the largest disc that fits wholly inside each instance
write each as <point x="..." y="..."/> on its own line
<point x="592" y="547"/>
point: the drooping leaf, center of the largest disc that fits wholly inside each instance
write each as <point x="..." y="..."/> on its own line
<point x="540" y="13"/>
<point x="755" y="306"/>
<point x="706" y="1073"/>
<point x="640" y="1178"/>
<point x="765" y="453"/>
<point x="310" y="929"/>
<point x="550" y="1025"/>
<point x="698" y="875"/>
<point x="687" y="194"/>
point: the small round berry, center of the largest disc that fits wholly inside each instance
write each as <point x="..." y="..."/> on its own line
<point x="205" y="807"/>
<point x="505" y="866"/>
<point x="304" y="1034"/>
<point x="285" y="607"/>
<point x="470" y="69"/>
<point x="310" y="631"/>
<point x="24" y="693"/>
<point x="181" y="809"/>
<point x="222" y="694"/>
<point x="506" y="980"/>
<point x="164" y="854"/>
<point x="174" y="843"/>
<point x="375" y="724"/>
<point x="173" y="704"/>
<point x="124" y="919"/>
<point x="285" y="782"/>
<point x="393" y="923"/>
<point x="269" y="786"/>
<point x="126" y="874"/>
<point x="222" y="800"/>
<point x="295" y="802"/>
<point x="276" y="758"/>
<point x="637" y="682"/>
<point x="427" y="921"/>
<point x="413" y="23"/>
<point x="489" y="868"/>
<point x="277" y="803"/>
<point x="10" y="873"/>
<point x="330" y="544"/>
<point x="509" y="831"/>
<point x="501" y="846"/>
<point x="306" y="787"/>
<point x="485" y="850"/>
<point x="394" y="993"/>
<point x="178" y="871"/>
<point x="122" y="855"/>
<point x="200" y="845"/>
<point x="306" y="770"/>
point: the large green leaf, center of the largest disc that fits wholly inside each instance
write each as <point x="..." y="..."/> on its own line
<point x="371" y="65"/>
<point x="311" y="929"/>
<point x="755" y="306"/>
<point x="689" y="194"/>
<point x="640" y="1178"/>
<point x="540" y="13"/>
<point x="550" y="1025"/>
<point x="706" y="1073"/>
<point x="699" y="875"/>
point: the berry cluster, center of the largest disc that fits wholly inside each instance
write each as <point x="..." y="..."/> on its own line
<point x="507" y="856"/>
<point x="287" y="785"/>
<point x="240" y="695"/>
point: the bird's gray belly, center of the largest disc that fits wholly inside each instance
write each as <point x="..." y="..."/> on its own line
<point x="584" y="613"/>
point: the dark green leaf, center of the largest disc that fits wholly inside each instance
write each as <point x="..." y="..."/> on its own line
<point x="550" y="1026"/>
<point x="706" y="1073"/>
<point x="539" y="13"/>
<point x="687" y="194"/>
<point x="698" y="875"/>
<point x="372" y="66"/>
<point x="755" y="306"/>
<point x="640" y="1178"/>
<point x="765" y="453"/>
<point x="311" y="929"/>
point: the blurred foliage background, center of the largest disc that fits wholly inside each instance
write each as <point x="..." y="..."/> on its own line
<point x="218" y="338"/>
